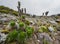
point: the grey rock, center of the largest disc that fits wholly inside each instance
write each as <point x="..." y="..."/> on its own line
<point x="51" y="29"/>
<point x="2" y="37"/>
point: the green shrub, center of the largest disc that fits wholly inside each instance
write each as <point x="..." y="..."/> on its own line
<point x="15" y="13"/>
<point x="12" y="23"/>
<point x="12" y="36"/>
<point x="27" y="22"/>
<point x="23" y="17"/>
<point x="4" y="11"/>
<point x="29" y="31"/>
<point x="3" y="7"/>
<point x="44" y="29"/>
<point x="40" y="30"/>
<point x="21" y="37"/>
<point x="21" y="24"/>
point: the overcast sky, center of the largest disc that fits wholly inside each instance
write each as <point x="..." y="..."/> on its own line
<point x="35" y="6"/>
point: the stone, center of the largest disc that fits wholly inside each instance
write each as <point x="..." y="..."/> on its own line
<point x="2" y="37"/>
<point x="51" y="29"/>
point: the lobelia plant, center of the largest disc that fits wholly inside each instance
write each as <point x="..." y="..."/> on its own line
<point x="22" y="37"/>
<point x="21" y="24"/>
<point x="12" y="23"/>
<point x="29" y="31"/>
<point x="11" y="36"/>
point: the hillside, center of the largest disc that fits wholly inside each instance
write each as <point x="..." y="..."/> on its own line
<point x="28" y="29"/>
<point x="7" y="10"/>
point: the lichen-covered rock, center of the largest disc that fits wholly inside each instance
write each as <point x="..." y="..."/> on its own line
<point x="2" y="37"/>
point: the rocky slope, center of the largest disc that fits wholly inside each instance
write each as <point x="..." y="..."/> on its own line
<point x="46" y="28"/>
<point x="40" y="36"/>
